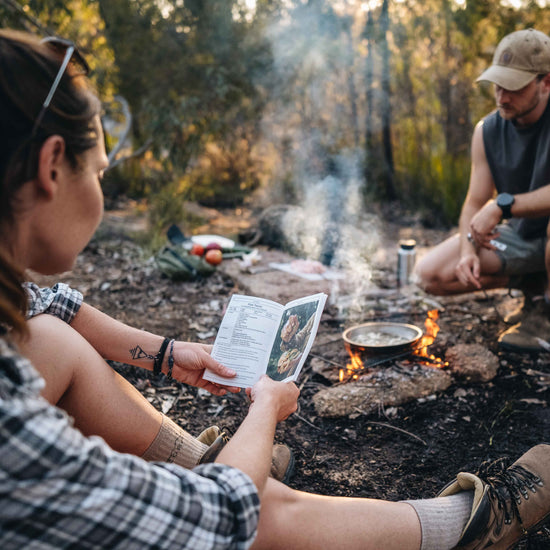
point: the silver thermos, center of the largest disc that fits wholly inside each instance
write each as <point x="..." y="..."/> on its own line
<point x="406" y="256"/>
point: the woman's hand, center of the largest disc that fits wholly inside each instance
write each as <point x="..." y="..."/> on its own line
<point x="282" y="395"/>
<point x="190" y="362"/>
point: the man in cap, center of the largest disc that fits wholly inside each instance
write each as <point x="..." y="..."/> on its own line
<point x="503" y="227"/>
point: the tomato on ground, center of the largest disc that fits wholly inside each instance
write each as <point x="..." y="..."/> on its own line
<point x="214" y="256"/>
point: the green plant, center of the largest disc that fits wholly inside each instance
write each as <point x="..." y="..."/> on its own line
<point x="166" y="207"/>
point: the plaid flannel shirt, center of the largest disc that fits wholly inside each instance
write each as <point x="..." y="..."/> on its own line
<point x="60" y="300"/>
<point x="59" y="489"/>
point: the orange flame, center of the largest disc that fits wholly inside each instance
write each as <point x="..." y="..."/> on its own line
<point x="432" y="328"/>
<point x="353" y="369"/>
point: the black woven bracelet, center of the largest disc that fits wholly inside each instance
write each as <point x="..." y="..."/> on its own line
<point x="159" y="357"/>
<point x="171" y="359"/>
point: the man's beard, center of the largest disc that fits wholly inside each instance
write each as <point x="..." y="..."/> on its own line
<point x="514" y="119"/>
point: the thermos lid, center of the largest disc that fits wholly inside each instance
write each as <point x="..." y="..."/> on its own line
<point x="407" y="244"/>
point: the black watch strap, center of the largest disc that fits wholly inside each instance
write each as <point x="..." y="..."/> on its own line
<point x="504" y="202"/>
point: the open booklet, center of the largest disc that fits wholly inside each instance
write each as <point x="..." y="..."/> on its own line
<point x="260" y="336"/>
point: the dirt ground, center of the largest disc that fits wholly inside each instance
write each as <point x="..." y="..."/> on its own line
<point x="408" y="451"/>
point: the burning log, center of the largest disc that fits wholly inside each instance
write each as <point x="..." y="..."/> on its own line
<point x="381" y="388"/>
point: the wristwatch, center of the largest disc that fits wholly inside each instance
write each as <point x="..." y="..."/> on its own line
<point x="504" y="202"/>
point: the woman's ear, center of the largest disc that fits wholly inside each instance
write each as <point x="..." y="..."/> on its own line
<point x="51" y="165"/>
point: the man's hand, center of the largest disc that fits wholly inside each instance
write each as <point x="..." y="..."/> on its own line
<point x="483" y="223"/>
<point x="190" y="362"/>
<point x="468" y="270"/>
<point x="284" y="395"/>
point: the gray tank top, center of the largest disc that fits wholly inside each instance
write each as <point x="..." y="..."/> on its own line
<point x="519" y="160"/>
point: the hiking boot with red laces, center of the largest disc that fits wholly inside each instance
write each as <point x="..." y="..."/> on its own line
<point x="508" y="503"/>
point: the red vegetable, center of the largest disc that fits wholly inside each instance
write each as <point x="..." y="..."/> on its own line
<point x="214" y="256"/>
<point x="197" y="249"/>
<point x="213" y="246"/>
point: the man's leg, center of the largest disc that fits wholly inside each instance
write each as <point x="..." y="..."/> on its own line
<point x="531" y="331"/>
<point x="435" y="272"/>
<point x="101" y="401"/>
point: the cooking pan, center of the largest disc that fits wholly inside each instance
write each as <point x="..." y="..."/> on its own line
<point x="371" y="339"/>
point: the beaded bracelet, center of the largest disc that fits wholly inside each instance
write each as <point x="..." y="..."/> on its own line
<point x="171" y="359"/>
<point x="159" y="357"/>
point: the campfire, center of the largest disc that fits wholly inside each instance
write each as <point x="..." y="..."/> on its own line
<point x="356" y="367"/>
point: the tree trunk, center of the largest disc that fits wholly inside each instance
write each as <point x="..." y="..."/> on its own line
<point x="351" y="84"/>
<point x="389" y="175"/>
<point x="369" y="130"/>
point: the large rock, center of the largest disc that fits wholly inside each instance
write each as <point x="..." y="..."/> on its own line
<point x="289" y="228"/>
<point x="472" y="362"/>
<point x="309" y="233"/>
<point x="381" y="388"/>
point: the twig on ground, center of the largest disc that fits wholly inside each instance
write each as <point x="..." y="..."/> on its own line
<point x="329" y="361"/>
<point x="306" y="421"/>
<point x="306" y="378"/>
<point x="384" y="425"/>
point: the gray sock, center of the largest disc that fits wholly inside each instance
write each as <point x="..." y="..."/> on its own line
<point x="443" y="519"/>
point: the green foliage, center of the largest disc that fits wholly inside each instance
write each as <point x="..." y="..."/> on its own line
<point x="77" y="20"/>
<point x="166" y="208"/>
<point x="189" y="75"/>
<point x="234" y="99"/>
<point x="430" y="180"/>
<point x="223" y="177"/>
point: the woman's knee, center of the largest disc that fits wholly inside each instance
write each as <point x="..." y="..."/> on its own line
<point x="56" y="350"/>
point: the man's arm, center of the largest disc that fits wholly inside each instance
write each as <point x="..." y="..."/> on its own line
<point x="533" y="204"/>
<point x="480" y="190"/>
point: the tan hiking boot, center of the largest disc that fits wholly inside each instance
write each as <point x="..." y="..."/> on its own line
<point x="282" y="460"/>
<point x="533" y="286"/>
<point x="508" y="503"/>
<point x="209" y="435"/>
<point x="517" y="314"/>
<point x="531" y="333"/>
<point x="282" y="463"/>
<point x="216" y="439"/>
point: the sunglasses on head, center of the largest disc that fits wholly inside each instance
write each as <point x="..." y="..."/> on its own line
<point x="70" y="54"/>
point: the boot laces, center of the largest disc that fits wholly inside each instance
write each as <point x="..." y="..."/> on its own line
<point x="225" y="434"/>
<point x="507" y="487"/>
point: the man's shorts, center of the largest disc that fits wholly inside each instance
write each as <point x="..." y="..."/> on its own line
<point x="519" y="255"/>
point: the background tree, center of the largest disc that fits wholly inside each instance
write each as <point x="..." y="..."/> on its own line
<point x="233" y="97"/>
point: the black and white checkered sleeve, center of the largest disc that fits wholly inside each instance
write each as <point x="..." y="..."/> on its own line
<point x="60" y="300"/>
<point x="59" y="489"/>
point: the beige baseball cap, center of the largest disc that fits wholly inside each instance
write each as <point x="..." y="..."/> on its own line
<point x="519" y="58"/>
